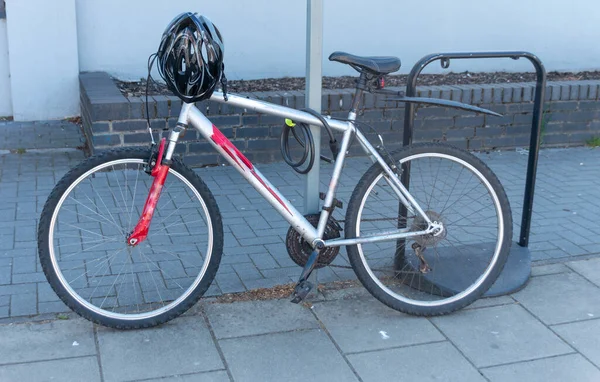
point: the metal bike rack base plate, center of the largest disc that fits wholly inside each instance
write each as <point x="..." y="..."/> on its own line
<point x="515" y="274"/>
<point x="453" y="272"/>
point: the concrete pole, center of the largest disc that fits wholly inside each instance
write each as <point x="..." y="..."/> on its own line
<point x="314" y="57"/>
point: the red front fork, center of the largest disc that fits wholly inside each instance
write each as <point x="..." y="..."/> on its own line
<point x="159" y="172"/>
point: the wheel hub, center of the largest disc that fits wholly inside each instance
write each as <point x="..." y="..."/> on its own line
<point x="432" y="239"/>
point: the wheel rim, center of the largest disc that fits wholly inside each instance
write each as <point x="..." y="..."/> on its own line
<point x="425" y="280"/>
<point x="105" y="215"/>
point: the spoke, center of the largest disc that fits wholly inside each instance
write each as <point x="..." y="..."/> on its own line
<point x="113" y="284"/>
<point x="108" y="258"/>
<point x="175" y="210"/>
<point x="95" y="212"/>
<point x="64" y="236"/>
<point x="120" y="189"/>
<point x="106" y="207"/>
<point x="85" y="250"/>
<point x="462" y="194"/>
<point x="108" y="264"/>
<point x="173" y="254"/>
<point x="177" y="224"/>
<point x="88" y="217"/>
<point x="133" y="278"/>
<point x="86" y="242"/>
<point x="164" y="273"/>
<point x="472" y="213"/>
<point x="151" y="276"/>
<point x="453" y="187"/>
<point x="433" y="186"/>
<point x="137" y="174"/>
<point x="83" y="229"/>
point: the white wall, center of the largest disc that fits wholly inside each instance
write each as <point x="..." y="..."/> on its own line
<point x="42" y="41"/>
<point x="266" y="38"/>
<point x="5" y="96"/>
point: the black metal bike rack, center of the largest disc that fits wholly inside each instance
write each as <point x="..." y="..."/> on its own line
<point x="518" y="267"/>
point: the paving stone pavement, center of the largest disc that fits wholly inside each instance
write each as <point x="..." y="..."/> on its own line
<point x="345" y="335"/>
<point x="39" y="135"/>
<point x="566" y="205"/>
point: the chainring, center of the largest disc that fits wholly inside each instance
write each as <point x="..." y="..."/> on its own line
<point x="300" y="250"/>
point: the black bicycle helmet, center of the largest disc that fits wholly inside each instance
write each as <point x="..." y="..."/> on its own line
<point x="190" y="57"/>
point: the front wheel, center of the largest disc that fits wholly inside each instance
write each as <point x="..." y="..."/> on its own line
<point x="85" y="256"/>
<point x="438" y="273"/>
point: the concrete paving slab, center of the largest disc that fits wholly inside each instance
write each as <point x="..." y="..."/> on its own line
<point x="430" y="362"/>
<point x="306" y="355"/>
<point x="179" y="347"/>
<point x="590" y="269"/>
<point x="491" y="301"/>
<point x="63" y="370"/>
<point x="561" y="298"/>
<point x="360" y="325"/>
<point x="549" y="269"/>
<point x="572" y="368"/>
<point x="501" y="334"/>
<point x="211" y="376"/>
<point x="583" y="336"/>
<point x="46" y="341"/>
<point x="258" y="317"/>
<point x="347" y="293"/>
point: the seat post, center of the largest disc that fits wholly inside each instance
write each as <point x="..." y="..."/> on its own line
<point x="361" y="86"/>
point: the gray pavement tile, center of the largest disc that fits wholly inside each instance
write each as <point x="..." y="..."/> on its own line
<point x="24" y="264"/>
<point x="5" y="275"/>
<point x="360" y="325"/>
<point x="261" y="283"/>
<point x="491" y="301"/>
<point x="46" y="293"/>
<point x="45" y="341"/>
<point x="229" y="283"/>
<point x="4" y="311"/>
<point x="20" y="278"/>
<point x="179" y="347"/>
<point x="430" y="362"/>
<point x="258" y="317"/>
<point x="52" y="307"/>
<point x="17" y="289"/>
<point x="550" y="269"/>
<point x="560" y="298"/>
<point x="306" y="355"/>
<point x="64" y="370"/>
<point x="583" y="336"/>
<point x="590" y="269"/>
<point x="570" y="248"/>
<point x="23" y="304"/>
<point x="572" y="368"/>
<point x="210" y="376"/>
<point x="501" y="334"/>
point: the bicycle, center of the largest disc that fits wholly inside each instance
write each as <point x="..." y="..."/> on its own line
<point x="107" y="262"/>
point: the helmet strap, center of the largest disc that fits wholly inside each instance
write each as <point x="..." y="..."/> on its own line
<point x="224" y="83"/>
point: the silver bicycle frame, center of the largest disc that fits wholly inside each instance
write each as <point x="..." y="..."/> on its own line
<point x="191" y="116"/>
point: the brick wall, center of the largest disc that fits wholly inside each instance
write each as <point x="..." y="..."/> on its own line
<point x="571" y="116"/>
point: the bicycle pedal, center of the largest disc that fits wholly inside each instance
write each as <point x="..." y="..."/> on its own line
<point x="301" y="291"/>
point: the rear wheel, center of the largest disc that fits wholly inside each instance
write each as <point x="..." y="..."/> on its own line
<point x="83" y="250"/>
<point x="431" y="274"/>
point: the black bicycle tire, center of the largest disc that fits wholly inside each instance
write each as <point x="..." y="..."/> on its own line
<point x="359" y="267"/>
<point x="51" y="275"/>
